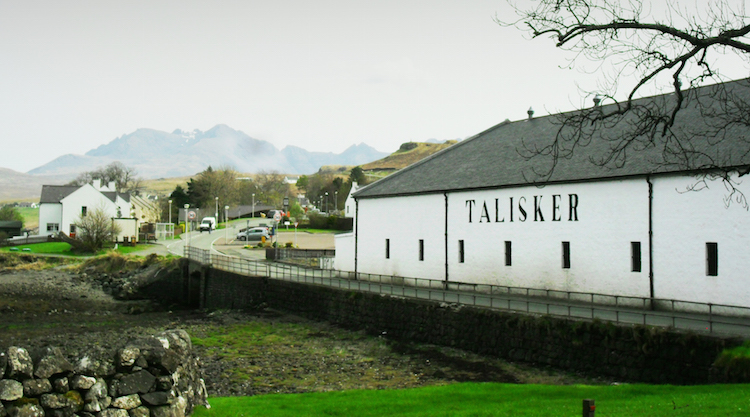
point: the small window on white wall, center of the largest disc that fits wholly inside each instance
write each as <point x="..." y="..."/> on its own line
<point x="635" y="256"/>
<point x="84" y="210"/>
<point x="461" y="251"/>
<point x="421" y="249"/>
<point x="566" y="255"/>
<point x="712" y="259"/>
<point x="508" y="253"/>
<point x="387" y="249"/>
<point x="53" y="227"/>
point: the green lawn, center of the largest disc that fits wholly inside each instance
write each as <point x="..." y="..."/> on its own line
<point x="62" y="248"/>
<point x="491" y="399"/>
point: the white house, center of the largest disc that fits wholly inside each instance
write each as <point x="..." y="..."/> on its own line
<point x="61" y="206"/>
<point x="637" y="227"/>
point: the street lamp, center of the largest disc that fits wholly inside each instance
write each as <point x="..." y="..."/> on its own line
<point x="326" y="201"/>
<point x="336" y="201"/>
<point x="170" y="220"/>
<point x="253" y="213"/>
<point x="226" y="223"/>
<point x="187" y="225"/>
<point x="216" y="212"/>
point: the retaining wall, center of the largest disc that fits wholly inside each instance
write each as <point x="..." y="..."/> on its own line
<point x="638" y="353"/>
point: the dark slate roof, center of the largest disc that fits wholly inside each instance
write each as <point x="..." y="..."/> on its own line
<point x="495" y="158"/>
<point x="10" y="224"/>
<point x="112" y="196"/>
<point x="55" y="193"/>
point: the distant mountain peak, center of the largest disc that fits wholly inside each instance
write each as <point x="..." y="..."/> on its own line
<point x="157" y="154"/>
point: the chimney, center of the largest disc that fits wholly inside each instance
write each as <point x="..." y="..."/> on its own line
<point x="530" y="112"/>
<point x="112" y="186"/>
<point x="97" y="184"/>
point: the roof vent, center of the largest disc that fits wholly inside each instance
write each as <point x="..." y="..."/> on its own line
<point x="597" y="100"/>
<point x="530" y="112"/>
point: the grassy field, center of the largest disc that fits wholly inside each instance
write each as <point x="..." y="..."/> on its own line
<point x="492" y="399"/>
<point x="62" y="248"/>
<point x="30" y="216"/>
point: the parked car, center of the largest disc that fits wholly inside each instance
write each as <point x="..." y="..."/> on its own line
<point x="254" y="234"/>
<point x="208" y="224"/>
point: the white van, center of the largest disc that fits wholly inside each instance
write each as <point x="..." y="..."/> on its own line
<point x="207" y="224"/>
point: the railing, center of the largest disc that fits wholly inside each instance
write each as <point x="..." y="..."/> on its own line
<point x="678" y="314"/>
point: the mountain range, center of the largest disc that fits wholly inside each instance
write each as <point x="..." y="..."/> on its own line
<point x="157" y="154"/>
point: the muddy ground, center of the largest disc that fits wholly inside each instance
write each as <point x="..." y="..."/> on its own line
<point x="243" y="352"/>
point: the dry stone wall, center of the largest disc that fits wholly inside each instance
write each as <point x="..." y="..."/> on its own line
<point x="155" y="376"/>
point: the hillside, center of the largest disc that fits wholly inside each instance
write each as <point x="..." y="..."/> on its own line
<point x="407" y="154"/>
<point x="16" y="186"/>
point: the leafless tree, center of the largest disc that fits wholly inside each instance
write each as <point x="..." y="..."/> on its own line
<point x="94" y="230"/>
<point x="634" y="43"/>
<point x="126" y="179"/>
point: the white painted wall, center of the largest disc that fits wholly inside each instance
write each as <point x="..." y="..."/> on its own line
<point x="92" y="199"/>
<point x="611" y="215"/>
<point x="344" y="252"/>
<point x="402" y="220"/>
<point x="683" y="222"/>
<point x="49" y="213"/>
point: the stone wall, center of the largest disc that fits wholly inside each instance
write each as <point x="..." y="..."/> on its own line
<point x="633" y="353"/>
<point x="152" y="376"/>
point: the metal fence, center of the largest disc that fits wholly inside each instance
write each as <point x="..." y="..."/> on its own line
<point x="678" y="314"/>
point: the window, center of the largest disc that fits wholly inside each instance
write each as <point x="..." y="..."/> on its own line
<point x="566" y="255"/>
<point x="461" y="251"/>
<point x="53" y="227"/>
<point x="387" y="249"/>
<point x="508" y="253"/>
<point x="72" y="228"/>
<point x="635" y="256"/>
<point x="712" y="259"/>
<point x="421" y="249"/>
<point x="83" y="211"/>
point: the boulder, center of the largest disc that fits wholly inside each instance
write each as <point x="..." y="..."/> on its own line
<point x="36" y="387"/>
<point x="60" y="385"/>
<point x="113" y="412"/>
<point x="20" y="364"/>
<point x="10" y="390"/>
<point x="82" y="382"/>
<point x="140" y="412"/>
<point x="139" y="382"/>
<point x="49" y="361"/>
<point x="71" y="400"/>
<point x="25" y="410"/>
<point x="127" y="402"/>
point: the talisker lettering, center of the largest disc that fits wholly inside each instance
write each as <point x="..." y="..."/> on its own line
<point x="515" y="210"/>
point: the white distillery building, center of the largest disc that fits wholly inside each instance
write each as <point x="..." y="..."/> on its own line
<point x="633" y="227"/>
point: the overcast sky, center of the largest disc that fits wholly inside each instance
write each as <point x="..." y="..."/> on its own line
<point x="322" y="75"/>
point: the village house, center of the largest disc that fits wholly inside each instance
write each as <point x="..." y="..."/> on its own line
<point x="61" y="206"/>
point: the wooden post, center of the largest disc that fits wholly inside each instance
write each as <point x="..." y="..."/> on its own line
<point x="588" y="408"/>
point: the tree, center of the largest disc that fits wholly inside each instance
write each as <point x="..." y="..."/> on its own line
<point x="209" y="184"/>
<point x="271" y="188"/>
<point x="357" y="175"/>
<point x="9" y="213"/>
<point x="94" y="230"/>
<point x="126" y="179"/>
<point x="676" y="53"/>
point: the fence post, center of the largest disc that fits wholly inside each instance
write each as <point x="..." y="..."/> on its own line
<point x="589" y="408"/>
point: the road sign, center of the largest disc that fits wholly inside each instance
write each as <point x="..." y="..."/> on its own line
<point x="286" y="201"/>
<point x="277" y="217"/>
<point x="296" y="224"/>
<point x="191" y="215"/>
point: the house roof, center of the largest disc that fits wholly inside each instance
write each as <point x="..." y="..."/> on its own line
<point x="55" y="193"/>
<point x="10" y="224"/>
<point x="498" y="157"/>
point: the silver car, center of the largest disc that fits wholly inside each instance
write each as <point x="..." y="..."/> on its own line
<point x="254" y="234"/>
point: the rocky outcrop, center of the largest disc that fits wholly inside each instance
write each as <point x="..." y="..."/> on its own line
<point x="149" y="376"/>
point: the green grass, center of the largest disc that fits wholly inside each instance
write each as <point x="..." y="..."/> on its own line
<point x="62" y="248"/>
<point x="30" y="216"/>
<point x="491" y="399"/>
